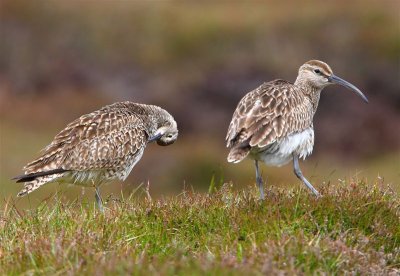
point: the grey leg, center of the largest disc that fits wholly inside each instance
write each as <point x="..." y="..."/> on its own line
<point x="99" y="200"/>
<point x="299" y="174"/>
<point x="259" y="181"/>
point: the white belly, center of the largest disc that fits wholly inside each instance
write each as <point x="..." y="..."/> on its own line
<point x="281" y="152"/>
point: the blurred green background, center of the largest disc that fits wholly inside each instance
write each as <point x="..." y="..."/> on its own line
<point x="62" y="59"/>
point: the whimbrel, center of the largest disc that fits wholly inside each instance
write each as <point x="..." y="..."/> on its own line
<point x="100" y="147"/>
<point x="274" y="122"/>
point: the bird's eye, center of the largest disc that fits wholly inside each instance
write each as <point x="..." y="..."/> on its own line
<point x="169" y="136"/>
<point x="317" y="71"/>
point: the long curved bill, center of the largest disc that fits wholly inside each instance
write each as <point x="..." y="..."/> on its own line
<point x="348" y="85"/>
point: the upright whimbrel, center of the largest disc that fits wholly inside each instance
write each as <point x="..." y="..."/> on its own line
<point x="100" y="147"/>
<point x="274" y="122"/>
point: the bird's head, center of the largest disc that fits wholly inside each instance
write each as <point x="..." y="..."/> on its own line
<point x="166" y="133"/>
<point x="319" y="74"/>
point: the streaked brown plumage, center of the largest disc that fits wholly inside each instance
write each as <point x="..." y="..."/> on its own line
<point x="101" y="146"/>
<point x="274" y="122"/>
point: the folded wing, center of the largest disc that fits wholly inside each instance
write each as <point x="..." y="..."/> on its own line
<point x="98" y="140"/>
<point x="261" y="118"/>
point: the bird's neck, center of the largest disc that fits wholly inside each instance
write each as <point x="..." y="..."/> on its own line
<point x="309" y="90"/>
<point x="155" y="118"/>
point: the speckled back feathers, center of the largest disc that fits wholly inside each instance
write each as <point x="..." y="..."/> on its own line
<point x="108" y="141"/>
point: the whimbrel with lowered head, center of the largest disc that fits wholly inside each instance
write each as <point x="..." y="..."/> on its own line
<point x="274" y="122"/>
<point x="100" y="147"/>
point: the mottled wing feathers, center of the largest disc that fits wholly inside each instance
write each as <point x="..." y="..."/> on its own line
<point x="96" y="140"/>
<point x="261" y="117"/>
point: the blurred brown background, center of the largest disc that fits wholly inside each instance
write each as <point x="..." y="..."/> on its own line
<point x="59" y="60"/>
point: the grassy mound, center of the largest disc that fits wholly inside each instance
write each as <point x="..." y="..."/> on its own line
<point x="354" y="227"/>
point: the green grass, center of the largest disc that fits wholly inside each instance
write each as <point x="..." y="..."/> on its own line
<point x="354" y="227"/>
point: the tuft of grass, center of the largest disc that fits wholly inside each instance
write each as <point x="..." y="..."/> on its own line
<point x="353" y="228"/>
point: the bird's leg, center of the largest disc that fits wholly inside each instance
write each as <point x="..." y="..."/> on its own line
<point x="99" y="201"/>
<point x="259" y="181"/>
<point x="299" y="174"/>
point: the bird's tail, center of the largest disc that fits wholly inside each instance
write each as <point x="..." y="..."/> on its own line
<point x="33" y="182"/>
